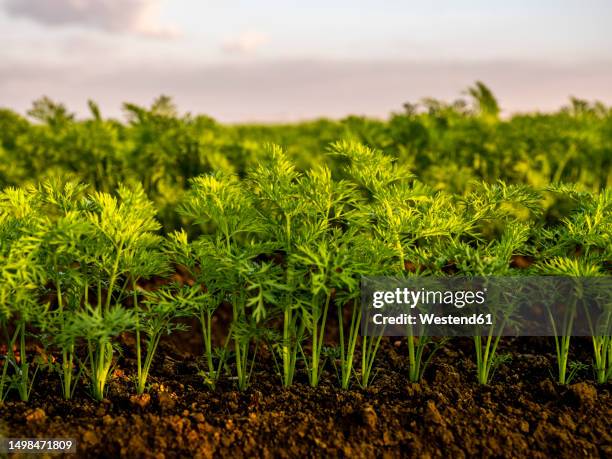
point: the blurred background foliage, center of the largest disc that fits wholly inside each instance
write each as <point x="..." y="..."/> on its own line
<point x="447" y="146"/>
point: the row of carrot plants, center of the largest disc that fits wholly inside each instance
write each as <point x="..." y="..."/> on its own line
<point x="450" y="144"/>
<point x="285" y="250"/>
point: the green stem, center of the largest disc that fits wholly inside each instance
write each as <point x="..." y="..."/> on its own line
<point x="5" y="364"/>
<point x="100" y="366"/>
<point x="23" y="380"/>
<point x="347" y="357"/>
<point x="140" y="385"/>
<point x="370" y="351"/>
<point x="413" y="371"/>
<point x="317" y="340"/>
<point x="206" y="324"/>
<point x="113" y="276"/>
<point x="67" y="351"/>
<point x="68" y="363"/>
<point x="241" y="351"/>
<point x="288" y="347"/>
<point x="151" y="350"/>
<point x="140" y="380"/>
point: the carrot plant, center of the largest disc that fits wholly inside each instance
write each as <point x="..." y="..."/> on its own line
<point x="60" y="229"/>
<point x="563" y="327"/>
<point x="220" y="205"/>
<point x="275" y="185"/>
<point x="602" y="355"/>
<point x="20" y="278"/>
<point x="503" y="215"/>
<point x="377" y="176"/>
<point x="300" y="214"/>
<point x="579" y="246"/>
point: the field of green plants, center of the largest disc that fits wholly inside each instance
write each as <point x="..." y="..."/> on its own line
<point x="146" y="226"/>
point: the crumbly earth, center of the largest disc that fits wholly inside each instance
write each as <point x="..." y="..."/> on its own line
<point x="522" y="413"/>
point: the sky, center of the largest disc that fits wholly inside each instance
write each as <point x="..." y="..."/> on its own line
<point x="269" y="60"/>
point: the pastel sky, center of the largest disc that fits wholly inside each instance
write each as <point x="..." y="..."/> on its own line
<point x="271" y="60"/>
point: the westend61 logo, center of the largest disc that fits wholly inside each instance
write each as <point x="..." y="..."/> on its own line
<point x="413" y="298"/>
<point x="494" y="306"/>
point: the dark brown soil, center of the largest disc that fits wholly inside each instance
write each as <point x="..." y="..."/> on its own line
<point x="523" y="413"/>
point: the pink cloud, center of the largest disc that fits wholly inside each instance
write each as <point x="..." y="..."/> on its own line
<point x="123" y="16"/>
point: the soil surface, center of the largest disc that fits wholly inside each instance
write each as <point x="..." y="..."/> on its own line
<point x="522" y="413"/>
